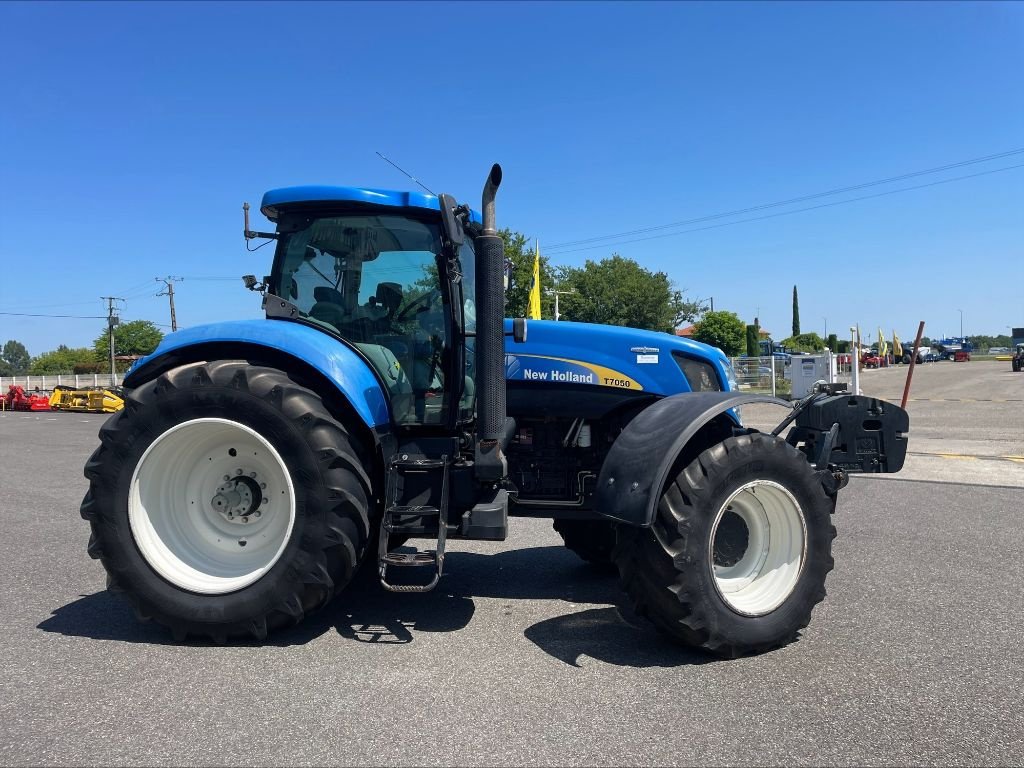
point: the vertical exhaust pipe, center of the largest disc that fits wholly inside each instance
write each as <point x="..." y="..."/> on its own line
<point x="490" y="340"/>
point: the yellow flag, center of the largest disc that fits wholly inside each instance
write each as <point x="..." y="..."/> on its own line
<point x="534" y="312"/>
<point x="897" y="347"/>
<point x="883" y="345"/>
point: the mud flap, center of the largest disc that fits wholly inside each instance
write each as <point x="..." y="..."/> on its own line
<point x="640" y="459"/>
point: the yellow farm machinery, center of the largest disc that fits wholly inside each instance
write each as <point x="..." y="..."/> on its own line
<point x="88" y="399"/>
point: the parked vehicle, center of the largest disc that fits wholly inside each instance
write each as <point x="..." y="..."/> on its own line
<point x="871" y="361"/>
<point x="257" y="463"/>
<point x="1017" y="363"/>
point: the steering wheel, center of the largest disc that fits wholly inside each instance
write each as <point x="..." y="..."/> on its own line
<point x="426" y="299"/>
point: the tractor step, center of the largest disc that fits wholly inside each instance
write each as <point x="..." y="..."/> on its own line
<point x="414" y="510"/>
<point x="394" y="511"/>
<point x="411" y="558"/>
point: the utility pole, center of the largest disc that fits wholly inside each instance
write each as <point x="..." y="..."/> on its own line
<point x="169" y="281"/>
<point x="556" y="294"/>
<point x="112" y="320"/>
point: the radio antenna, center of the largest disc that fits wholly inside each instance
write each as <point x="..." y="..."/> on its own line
<point x="417" y="181"/>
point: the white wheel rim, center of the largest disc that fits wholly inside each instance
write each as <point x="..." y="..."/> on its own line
<point x="769" y="568"/>
<point x="203" y="533"/>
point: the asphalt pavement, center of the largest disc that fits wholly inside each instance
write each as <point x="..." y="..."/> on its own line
<point x="525" y="655"/>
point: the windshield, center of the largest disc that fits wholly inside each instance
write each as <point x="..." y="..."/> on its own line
<point x="373" y="280"/>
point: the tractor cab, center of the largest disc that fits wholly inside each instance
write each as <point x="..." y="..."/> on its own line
<point x="384" y="278"/>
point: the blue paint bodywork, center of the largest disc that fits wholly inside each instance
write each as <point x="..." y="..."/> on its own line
<point x="277" y="198"/>
<point x="343" y="367"/>
<point x="573" y="350"/>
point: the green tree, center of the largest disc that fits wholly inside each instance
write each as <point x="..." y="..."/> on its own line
<point x="796" y="313"/>
<point x="63" y="359"/>
<point x="618" y="291"/>
<point x="138" y="337"/>
<point x="16" y="357"/>
<point x="519" y="251"/>
<point x="805" y="342"/>
<point x="721" y="329"/>
<point x="833" y="342"/>
<point x="753" y="348"/>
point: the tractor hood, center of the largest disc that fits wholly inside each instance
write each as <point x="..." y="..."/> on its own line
<point x="609" y="356"/>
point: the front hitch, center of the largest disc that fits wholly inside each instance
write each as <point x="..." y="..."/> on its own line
<point x="851" y="433"/>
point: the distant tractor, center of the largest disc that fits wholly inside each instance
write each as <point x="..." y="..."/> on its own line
<point x="257" y="463"/>
<point x="1017" y="362"/>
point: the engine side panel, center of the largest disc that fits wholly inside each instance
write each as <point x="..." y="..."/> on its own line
<point x="606" y="357"/>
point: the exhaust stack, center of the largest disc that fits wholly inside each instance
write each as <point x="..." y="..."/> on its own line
<point x="491" y="465"/>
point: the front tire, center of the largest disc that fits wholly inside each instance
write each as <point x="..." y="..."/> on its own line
<point x="737" y="556"/>
<point x="225" y="500"/>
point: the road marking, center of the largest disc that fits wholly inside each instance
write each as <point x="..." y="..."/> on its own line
<point x="967" y="457"/>
<point x="960" y="400"/>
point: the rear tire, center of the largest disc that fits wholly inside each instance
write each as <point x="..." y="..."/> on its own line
<point x="190" y="456"/>
<point x="592" y="540"/>
<point x="737" y="556"/>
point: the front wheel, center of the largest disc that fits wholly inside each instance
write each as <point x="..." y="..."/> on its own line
<point x="226" y="500"/>
<point x="737" y="556"/>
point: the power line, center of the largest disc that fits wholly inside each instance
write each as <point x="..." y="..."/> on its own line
<point x="790" y="213"/>
<point x="112" y="320"/>
<point x="33" y="314"/>
<point x="790" y="201"/>
<point x="169" y="281"/>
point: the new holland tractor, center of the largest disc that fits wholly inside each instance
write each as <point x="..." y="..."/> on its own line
<point x="384" y="399"/>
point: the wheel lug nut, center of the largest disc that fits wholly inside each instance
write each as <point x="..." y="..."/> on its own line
<point x="252" y="474"/>
<point x="238" y="471"/>
<point x="227" y="477"/>
<point x="257" y="513"/>
<point x="263" y="486"/>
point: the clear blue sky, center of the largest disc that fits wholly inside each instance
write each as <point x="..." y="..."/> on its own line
<point x="131" y="134"/>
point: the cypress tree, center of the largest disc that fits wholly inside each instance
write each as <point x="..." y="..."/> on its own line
<point x="753" y="349"/>
<point x="796" y="313"/>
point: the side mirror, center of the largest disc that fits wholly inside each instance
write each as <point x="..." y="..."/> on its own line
<point x="519" y="330"/>
<point x="450" y="221"/>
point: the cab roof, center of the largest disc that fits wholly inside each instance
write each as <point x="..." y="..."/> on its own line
<point x="275" y="199"/>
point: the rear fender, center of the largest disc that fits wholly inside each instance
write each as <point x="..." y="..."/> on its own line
<point x="641" y="458"/>
<point x="284" y="344"/>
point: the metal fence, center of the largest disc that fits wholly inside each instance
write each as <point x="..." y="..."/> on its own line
<point x="767" y="375"/>
<point x="31" y="383"/>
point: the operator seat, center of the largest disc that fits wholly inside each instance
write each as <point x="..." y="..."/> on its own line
<point x="329" y="306"/>
<point x="389" y="296"/>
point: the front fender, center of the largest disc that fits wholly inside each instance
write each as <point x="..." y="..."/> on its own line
<point x="638" y="464"/>
<point x="339" y="364"/>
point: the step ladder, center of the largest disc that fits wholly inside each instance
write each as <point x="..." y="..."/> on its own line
<point x="401" y="465"/>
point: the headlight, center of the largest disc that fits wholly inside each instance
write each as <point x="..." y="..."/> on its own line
<point x="700" y="375"/>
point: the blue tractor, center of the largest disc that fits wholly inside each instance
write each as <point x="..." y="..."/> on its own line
<point x="385" y="399"/>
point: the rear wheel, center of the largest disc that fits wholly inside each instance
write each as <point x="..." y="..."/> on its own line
<point x="737" y="555"/>
<point x="225" y="500"/>
<point x="592" y="540"/>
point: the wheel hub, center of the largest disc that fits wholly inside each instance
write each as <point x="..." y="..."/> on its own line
<point x="240" y="497"/>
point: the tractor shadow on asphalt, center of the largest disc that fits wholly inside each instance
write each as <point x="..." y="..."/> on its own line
<point x="367" y="613"/>
<point x="611" y="633"/>
<point x="104" y="616"/>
